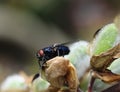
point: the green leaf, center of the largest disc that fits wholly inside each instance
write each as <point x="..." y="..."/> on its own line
<point x="115" y="66"/>
<point x="79" y="57"/>
<point x="105" y="39"/>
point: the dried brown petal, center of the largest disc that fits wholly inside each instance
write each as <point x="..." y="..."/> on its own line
<point x="61" y="73"/>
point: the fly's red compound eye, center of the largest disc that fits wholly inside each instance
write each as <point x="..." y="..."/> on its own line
<point x="41" y="53"/>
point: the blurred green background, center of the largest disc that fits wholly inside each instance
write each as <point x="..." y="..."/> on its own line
<point x="29" y="25"/>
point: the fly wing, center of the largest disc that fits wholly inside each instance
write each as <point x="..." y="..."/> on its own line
<point x="69" y="42"/>
<point x="62" y="49"/>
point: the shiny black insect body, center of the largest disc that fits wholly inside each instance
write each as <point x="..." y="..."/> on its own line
<point x="50" y="52"/>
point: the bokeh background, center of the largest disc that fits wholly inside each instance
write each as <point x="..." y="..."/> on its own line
<point x="29" y="25"/>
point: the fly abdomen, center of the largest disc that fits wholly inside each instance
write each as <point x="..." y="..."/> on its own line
<point x="62" y="50"/>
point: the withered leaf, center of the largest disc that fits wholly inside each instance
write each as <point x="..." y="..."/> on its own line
<point x="102" y="61"/>
<point x="106" y="76"/>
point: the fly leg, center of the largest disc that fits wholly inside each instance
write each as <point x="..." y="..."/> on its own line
<point x="56" y="49"/>
<point x="58" y="53"/>
<point x="43" y="62"/>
